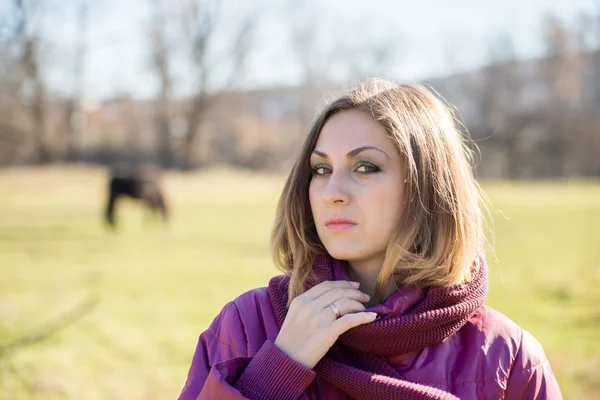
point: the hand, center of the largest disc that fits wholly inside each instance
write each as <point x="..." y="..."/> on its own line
<point x="311" y="326"/>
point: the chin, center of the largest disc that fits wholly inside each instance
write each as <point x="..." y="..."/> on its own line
<point x="344" y="251"/>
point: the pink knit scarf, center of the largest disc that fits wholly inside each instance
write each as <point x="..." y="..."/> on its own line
<point x="356" y="362"/>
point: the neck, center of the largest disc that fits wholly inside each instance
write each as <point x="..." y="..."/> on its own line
<point x="366" y="273"/>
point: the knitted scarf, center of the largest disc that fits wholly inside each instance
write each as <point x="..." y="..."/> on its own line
<point x="356" y="362"/>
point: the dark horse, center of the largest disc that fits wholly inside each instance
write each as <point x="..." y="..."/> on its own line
<point x="139" y="182"/>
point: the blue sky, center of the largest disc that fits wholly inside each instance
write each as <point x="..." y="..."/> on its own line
<point x="434" y="38"/>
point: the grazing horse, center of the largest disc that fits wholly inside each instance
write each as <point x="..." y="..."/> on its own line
<point x="139" y="182"/>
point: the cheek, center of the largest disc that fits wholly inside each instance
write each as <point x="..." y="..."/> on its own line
<point x="313" y="197"/>
<point x="384" y="209"/>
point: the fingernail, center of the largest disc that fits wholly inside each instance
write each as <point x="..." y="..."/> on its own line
<point x="355" y="284"/>
<point x="372" y="314"/>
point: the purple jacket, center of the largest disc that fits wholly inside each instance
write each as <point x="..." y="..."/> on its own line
<point x="490" y="357"/>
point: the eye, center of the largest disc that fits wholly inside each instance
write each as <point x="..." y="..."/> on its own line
<point x="320" y="170"/>
<point x="364" y="167"/>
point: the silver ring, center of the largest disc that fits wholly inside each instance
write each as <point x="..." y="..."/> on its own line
<point x="336" y="310"/>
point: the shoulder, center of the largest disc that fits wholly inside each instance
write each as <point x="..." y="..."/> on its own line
<point x="495" y="346"/>
<point x="248" y="319"/>
<point x="252" y="301"/>
<point x="529" y="375"/>
<point x="500" y="332"/>
<point x="496" y="326"/>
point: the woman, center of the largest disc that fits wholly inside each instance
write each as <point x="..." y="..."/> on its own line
<point x="379" y="233"/>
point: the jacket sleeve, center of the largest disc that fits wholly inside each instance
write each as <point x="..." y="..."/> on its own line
<point x="531" y="377"/>
<point x="223" y="368"/>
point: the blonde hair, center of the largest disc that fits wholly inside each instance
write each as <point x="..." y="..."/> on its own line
<point x="440" y="232"/>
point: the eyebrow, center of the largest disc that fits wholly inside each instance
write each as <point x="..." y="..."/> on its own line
<point x="352" y="153"/>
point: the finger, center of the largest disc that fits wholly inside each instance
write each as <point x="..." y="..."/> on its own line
<point x="345" y="306"/>
<point x="323" y="287"/>
<point x="338" y="293"/>
<point x="349" y="321"/>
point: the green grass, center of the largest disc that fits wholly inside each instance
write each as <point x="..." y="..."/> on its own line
<point x="157" y="288"/>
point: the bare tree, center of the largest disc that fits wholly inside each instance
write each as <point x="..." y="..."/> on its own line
<point x="496" y="91"/>
<point x="197" y="22"/>
<point x="313" y="56"/>
<point x="562" y="73"/>
<point x="589" y="46"/>
<point x="330" y="60"/>
<point x="75" y="112"/>
<point x="363" y="56"/>
<point x="33" y="83"/>
<point x="161" y="59"/>
<point x="561" y="66"/>
<point x="13" y="123"/>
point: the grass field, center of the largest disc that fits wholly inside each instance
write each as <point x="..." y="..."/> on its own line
<point x="148" y="291"/>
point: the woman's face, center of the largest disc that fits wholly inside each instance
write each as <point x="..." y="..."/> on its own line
<point x="357" y="188"/>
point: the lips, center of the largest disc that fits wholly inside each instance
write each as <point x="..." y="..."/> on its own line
<point x="339" y="224"/>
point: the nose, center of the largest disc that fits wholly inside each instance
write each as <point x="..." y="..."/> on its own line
<point x="334" y="191"/>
